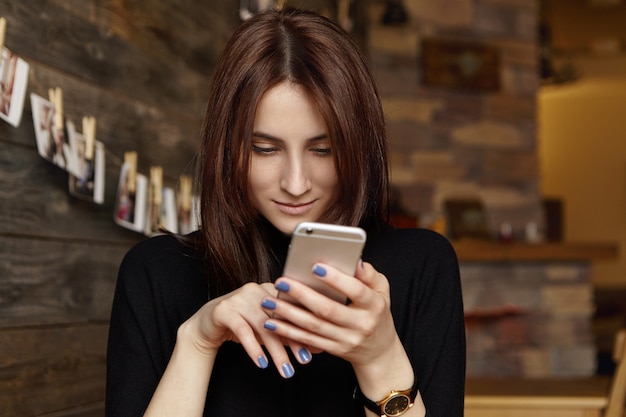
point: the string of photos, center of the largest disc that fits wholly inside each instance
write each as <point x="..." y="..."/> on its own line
<point x="142" y="203"/>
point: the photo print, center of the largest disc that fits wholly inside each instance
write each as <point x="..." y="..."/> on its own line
<point x="52" y="142"/>
<point x="161" y="214"/>
<point x="87" y="182"/>
<point x="130" y="202"/>
<point x="13" y="82"/>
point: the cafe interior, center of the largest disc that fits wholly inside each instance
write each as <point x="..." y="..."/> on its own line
<point x="507" y="134"/>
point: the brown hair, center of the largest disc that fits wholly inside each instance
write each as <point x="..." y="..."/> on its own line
<point x="304" y="48"/>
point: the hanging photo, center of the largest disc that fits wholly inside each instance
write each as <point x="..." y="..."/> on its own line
<point x="87" y="182"/>
<point x="13" y="81"/>
<point x="130" y="203"/>
<point x="161" y="211"/>
<point x="52" y="142"/>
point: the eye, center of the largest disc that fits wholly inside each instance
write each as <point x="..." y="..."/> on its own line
<point x="264" y="150"/>
<point x="321" y="150"/>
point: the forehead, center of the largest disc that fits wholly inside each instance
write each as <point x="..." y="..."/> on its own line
<point x="287" y="109"/>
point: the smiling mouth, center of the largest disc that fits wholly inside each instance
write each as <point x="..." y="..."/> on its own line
<point x="294" y="209"/>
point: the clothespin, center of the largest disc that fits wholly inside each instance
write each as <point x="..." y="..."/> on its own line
<point x="185" y="193"/>
<point x="3" y="31"/>
<point x="56" y="97"/>
<point x="156" y="184"/>
<point x="130" y="159"/>
<point x="89" y="132"/>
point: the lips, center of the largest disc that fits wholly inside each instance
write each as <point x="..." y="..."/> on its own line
<point x="295" y="209"/>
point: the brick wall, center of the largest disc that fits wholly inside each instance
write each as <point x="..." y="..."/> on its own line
<point x="524" y="319"/>
<point x="448" y="142"/>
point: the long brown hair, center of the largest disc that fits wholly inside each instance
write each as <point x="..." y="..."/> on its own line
<point x="304" y="48"/>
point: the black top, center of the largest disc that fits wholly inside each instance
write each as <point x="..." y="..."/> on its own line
<point x="161" y="284"/>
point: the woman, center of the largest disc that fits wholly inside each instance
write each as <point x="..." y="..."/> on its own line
<point x="293" y="132"/>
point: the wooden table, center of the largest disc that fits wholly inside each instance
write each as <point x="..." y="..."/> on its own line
<point x="515" y="397"/>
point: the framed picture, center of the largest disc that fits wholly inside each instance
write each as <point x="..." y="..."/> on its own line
<point x="460" y="64"/>
<point x="466" y="219"/>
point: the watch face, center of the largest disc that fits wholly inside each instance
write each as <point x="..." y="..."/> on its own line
<point x="396" y="405"/>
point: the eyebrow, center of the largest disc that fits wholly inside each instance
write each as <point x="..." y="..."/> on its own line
<point x="321" y="136"/>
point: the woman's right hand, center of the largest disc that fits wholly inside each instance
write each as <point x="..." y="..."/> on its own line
<point x="238" y="316"/>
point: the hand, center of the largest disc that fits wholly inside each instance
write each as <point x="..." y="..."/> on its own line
<point x="358" y="332"/>
<point x="238" y="316"/>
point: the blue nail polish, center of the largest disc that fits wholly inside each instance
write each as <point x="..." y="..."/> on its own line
<point x="269" y="304"/>
<point x="288" y="370"/>
<point x="262" y="362"/>
<point x="320" y="271"/>
<point x="282" y="286"/>
<point x="305" y="355"/>
<point x="269" y="326"/>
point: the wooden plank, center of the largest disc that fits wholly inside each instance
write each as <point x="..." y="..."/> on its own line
<point x="45" y="33"/>
<point x="123" y="124"/>
<point x="51" y="369"/>
<point x="35" y="201"/>
<point x="90" y="410"/>
<point x="52" y="282"/>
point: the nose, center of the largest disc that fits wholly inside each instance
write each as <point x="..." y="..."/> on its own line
<point x="295" y="178"/>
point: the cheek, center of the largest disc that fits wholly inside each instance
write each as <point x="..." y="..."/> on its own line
<point x="259" y="178"/>
<point x="328" y="179"/>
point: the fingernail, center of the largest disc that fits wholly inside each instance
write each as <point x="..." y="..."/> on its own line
<point x="282" y="286"/>
<point x="269" y="326"/>
<point x="305" y="355"/>
<point x="320" y="271"/>
<point x="269" y="304"/>
<point x="288" y="370"/>
<point x="262" y="362"/>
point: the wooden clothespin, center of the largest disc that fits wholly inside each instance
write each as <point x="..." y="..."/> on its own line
<point x="3" y="31"/>
<point x="185" y="193"/>
<point x="89" y="132"/>
<point x="156" y="184"/>
<point x="130" y="159"/>
<point x="56" y="97"/>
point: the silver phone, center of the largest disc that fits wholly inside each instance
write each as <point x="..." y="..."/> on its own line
<point x="335" y="245"/>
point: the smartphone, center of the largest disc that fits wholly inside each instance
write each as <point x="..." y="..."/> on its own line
<point x="338" y="246"/>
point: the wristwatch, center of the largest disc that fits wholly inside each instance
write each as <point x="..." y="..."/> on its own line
<point x="394" y="404"/>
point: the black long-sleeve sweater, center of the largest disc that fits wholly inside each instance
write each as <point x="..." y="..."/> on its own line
<point x="161" y="284"/>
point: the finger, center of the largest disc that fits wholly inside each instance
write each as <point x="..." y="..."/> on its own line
<point x="241" y="332"/>
<point x="300" y="352"/>
<point x="276" y="349"/>
<point x="368" y="275"/>
<point x="309" y="328"/>
<point x="312" y="306"/>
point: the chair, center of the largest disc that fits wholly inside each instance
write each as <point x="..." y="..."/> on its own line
<point x="576" y="397"/>
<point x="617" y="393"/>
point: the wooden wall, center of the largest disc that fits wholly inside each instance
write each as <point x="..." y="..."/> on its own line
<point x="142" y="69"/>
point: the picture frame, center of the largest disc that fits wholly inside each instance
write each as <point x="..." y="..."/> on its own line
<point x="462" y="65"/>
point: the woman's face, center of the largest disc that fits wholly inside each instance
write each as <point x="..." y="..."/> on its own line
<point x="292" y="174"/>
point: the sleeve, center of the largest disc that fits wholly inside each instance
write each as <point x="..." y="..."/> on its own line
<point x="435" y="333"/>
<point x="133" y="369"/>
